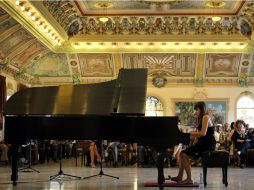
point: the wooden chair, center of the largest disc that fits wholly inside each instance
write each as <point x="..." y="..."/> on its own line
<point x="82" y="148"/>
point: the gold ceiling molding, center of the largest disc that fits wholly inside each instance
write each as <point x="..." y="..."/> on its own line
<point x="31" y="18"/>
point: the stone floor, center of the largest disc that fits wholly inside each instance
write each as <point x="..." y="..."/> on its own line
<point x="132" y="178"/>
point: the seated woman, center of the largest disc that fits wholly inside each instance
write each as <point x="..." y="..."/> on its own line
<point x="239" y="139"/>
<point x="93" y="153"/>
<point x="224" y="138"/>
<point x="205" y="142"/>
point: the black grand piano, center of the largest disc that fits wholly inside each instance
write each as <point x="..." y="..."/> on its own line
<point x="111" y="110"/>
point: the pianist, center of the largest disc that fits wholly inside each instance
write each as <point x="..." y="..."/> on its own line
<point x="205" y="142"/>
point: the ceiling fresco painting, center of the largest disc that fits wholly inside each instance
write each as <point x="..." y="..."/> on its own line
<point x="150" y="7"/>
<point x="169" y="64"/>
<point x="28" y="54"/>
<point x="50" y="65"/>
<point x="99" y="65"/>
<point x="13" y="41"/>
<point x="7" y="24"/>
<point x="160" y="64"/>
<point x="222" y="65"/>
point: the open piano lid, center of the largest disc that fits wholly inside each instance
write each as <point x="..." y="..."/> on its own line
<point x="125" y="95"/>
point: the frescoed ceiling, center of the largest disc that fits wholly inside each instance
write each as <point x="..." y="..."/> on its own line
<point x="155" y="7"/>
<point x="40" y="45"/>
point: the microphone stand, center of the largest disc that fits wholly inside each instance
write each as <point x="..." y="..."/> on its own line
<point x="61" y="173"/>
<point x="101" y="173"/>
<point x="29" y="168"/>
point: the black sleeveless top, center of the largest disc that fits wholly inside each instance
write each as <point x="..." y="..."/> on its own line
<point x="205" y="143"/>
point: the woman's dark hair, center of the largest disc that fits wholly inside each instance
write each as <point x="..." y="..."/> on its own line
<point x="241" y="122"/>
<point x="232" y="125"/>
<point x="202" y="107"/>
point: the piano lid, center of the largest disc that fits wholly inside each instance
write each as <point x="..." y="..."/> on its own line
<point x="125" y="95"/>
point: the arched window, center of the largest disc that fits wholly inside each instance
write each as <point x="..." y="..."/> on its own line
<point x="245" y="109"/>
<point x="153" y="106"/>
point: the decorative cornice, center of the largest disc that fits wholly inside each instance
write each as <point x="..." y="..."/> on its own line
<point x="12" y="9"/>
<point x="147" y="25"/>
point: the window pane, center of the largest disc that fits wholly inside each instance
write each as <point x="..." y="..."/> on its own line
<point x="245" y="110"/>
<point x="245" y="102"/>
<point x="153" y="106"/>
<point x="247" y="115"/>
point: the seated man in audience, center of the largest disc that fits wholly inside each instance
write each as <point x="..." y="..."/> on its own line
<point x="217" y="133"/>
<point x="113" y="146"/>
<point x="251" y="137"/>
<point x="240" y="140"/>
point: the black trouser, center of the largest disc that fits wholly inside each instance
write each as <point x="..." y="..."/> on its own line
<point x="243" y="150"/>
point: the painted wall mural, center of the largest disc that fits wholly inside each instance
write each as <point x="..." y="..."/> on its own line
<point x="222" y="65"/>
<point x="50" y="65"/>
<point x="184" y="109"/>
<point x="96" y="65"/>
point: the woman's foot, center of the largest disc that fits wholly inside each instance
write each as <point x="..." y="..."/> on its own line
<point x="185" y="182"/>
<point x="92" y="166"/>
<point x="176" y="179"/>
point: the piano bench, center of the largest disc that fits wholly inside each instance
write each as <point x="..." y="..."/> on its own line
<point x="212" y="159"/>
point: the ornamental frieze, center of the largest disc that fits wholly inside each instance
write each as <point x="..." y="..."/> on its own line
<point x="146" y="25"/>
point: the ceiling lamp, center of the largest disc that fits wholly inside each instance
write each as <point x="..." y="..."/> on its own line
<point x="103" y="19"/>
<point x="216" y="18"/>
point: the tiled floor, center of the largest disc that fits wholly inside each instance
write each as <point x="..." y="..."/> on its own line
<point x="130" y="178"/>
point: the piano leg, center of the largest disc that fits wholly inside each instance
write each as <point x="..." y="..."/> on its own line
<point x="160" y="162"/>
<point x="14" y="164"/>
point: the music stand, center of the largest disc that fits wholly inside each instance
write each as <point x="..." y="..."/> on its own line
<point x="29" y="167"/>
<point x="101" y="173"/>
<point x="61" y="173"/>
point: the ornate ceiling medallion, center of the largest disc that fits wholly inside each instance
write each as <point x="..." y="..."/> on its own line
<point x="216" y="4"/>
<point x="103" y="5"/>
<point x="159" y="80"/>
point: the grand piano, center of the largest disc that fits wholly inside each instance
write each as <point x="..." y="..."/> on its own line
<point x="113" y="110"/>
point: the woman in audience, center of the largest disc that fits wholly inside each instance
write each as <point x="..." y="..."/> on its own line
<point x="224" y="137"/>
<point x="205" y="142"/>
<point x="93" y="153"/>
